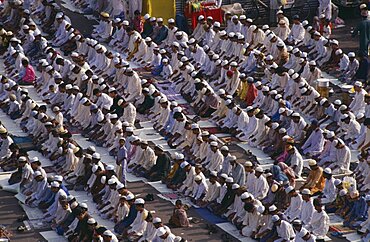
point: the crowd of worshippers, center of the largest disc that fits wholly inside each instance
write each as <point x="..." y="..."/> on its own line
<point x="253" y="83"/>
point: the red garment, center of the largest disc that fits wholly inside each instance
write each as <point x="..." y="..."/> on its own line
<point x="138" y="24"/>
<point x="29" y="76"/>
<point x="251" y="94"/>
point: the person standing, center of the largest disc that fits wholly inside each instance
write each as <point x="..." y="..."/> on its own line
<point x="363" y="29"/>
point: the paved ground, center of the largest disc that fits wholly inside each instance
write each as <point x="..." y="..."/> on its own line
<point x="10" y="210"/>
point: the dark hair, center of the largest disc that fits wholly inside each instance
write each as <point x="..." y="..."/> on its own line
<point x="25" y="62"/>
<point x="96" y="91"/>
<point x="367" y="121"/>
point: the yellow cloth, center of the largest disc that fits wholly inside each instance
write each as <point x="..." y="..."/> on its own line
<point x="165" y="9"/>
<point x="243" y="90"/>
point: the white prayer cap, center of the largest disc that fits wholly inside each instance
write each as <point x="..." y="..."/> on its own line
<point x="272" y="207"/>
<point x="234" y="64"/>
<point x="229" y="180"/>
<point x="301" y="60"/>
<point x="330" y="135"/>
<point x="213" y="173"/>
<point x="162" y="51"/>
<point x="312" y="162"/>
<point x="289" y="189"/>
<point x="304" y="23"/>
<point x="161" y="231"/>
<point x="108" y="232"/>
<point x="360" y="115"/>
<point x="117" y="20"/>
<point x="306" y="191"/>
<point x="304" y="90"/>
<point x="281" y="110"/>
<point x="327" y="170"/>
<point x="191" y="41"/>
<point x="275" y="218"/>
<point x="214" y="143"/>
<point x="120" y="186"/>
<point x="37" y="173"/>
<point x="180" y="157"/>
<point x="223" y="175"/>
<point x="280" y="12"/>
<point x="278" y="96"/>
<point x="343" y="192"/>
<point x="248" y="164"/>
<point x="56" y="109"/>
<point x="159" y="20"/>
<point x="338" y="52"/>
<point x="312" y="63"/>
<point x="269" y="57"/>
<point x="337" y="102"/>
<point x="91" y="221"/>
<point x="197" y="178"/>
<point x="342" y="107"/>
<point x="235" y="186"/>
<point x="259" y="169"/>
<point x="245" y="195"/>
<point x="59" y="15"/>
<point x="55" y="184"/>
<point x="228" y="102"/>
<point x="274" y="65"/>
<point x="178" y="33"/>
<point x="249" y="20"/>
<point x="273" y="92"/>
<point x="224" y="148"/>
<point x="240" y="37"/>
<point x="217" y="24"/>
<point x="96" y="156"/>
<point x="112" y="181"/>
<point x="129" y="197"/>
<point x="146" y="16"/>
<point x="58" y="178"/>
<point x="139" y="201"/>
<point x="194" y="126"/>
<point x="223" y="33"/>
<point x="358" y="84"/>
<point x="345" y="116"/>
<point x="274" y="125"/>
<point x="253" y="27"/>
<point x="83" y="205"/>
<point x="258" y="83"/>
<point x="322" y="101"/>
<point x="225" y="62"/>
<point x="302" y="233"/>
<point x="282" y="131"/>
<point x="335" y="42"/>
<point x="242" y="17"/>
<point x="363" y="6"/>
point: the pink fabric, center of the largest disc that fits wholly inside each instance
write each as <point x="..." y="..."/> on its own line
<point x="30" y="75"/>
